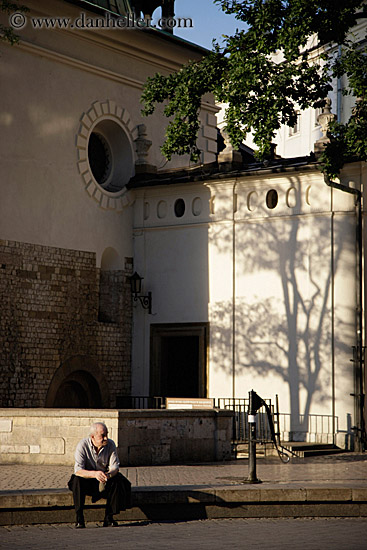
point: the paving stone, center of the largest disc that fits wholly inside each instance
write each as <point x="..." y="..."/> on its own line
<point x="257" y="534"/>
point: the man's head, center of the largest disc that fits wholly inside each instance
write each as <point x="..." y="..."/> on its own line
<point x="99" y="434"/>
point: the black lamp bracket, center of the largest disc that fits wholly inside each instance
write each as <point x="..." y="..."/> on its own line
<point x="146" y="301"/>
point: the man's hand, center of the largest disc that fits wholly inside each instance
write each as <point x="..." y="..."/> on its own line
<point x="100" y="476"/>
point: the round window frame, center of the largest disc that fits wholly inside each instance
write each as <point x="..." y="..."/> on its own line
<point x="94" y="119"/>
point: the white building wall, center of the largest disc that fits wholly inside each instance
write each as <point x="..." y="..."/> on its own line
<point x="171" y="254"/>
<point x="292" y="273"/>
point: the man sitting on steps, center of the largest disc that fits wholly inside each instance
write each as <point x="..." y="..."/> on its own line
<point x="96" y="473"/>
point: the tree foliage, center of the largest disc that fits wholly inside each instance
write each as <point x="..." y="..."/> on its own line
<point x="266" y="73"/>
<point x="349" y="141"/>
<point x="7" y="33"/>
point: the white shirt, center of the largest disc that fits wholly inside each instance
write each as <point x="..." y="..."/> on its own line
<point x="86" y="457"/>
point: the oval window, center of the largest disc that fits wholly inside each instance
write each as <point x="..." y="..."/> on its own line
<point x="179" y="208"/>
<point x="271" y="198"/>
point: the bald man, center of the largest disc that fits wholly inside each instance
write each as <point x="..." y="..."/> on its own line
<point x="96" y="473"/>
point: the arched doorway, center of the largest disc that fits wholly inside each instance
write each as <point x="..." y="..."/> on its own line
<point x="79" y="390"/>
<point x="78" y="383"/>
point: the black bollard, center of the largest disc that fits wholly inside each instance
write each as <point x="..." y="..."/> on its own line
<point x="252" y="440"/>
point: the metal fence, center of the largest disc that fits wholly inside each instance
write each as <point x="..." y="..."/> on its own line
<point x="240" y="406"/>
<point x="139" y="402"/>
<point x="313" y="428"/>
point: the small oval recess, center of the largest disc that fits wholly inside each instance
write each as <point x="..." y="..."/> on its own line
<point x="197" y="206"/>
<point x="252" y="201"/>
<point x="162" y="209"/>
<point x="291" y="197"/>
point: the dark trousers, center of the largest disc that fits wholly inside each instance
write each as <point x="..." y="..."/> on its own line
<point x="117" y="492"/>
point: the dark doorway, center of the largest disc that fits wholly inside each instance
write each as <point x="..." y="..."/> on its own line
<point x="178" y="360"/>
<point x="78" y="383"/>
<point x="80" y="391"/>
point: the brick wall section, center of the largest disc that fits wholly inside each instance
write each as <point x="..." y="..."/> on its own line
<point x="49" y="313"/>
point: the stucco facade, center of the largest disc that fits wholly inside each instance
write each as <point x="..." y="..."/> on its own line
<point x="267" y="261"/>
<point x="72" y="136"/>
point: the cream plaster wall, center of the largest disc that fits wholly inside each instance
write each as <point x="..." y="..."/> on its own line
<point x="48" y="84"/>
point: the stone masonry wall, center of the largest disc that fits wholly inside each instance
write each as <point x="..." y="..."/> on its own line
<point x="50" y="313"/>
<point x="143" y="437"/>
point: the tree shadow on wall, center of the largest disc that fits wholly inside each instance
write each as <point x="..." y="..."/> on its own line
<point x="283" y="311"/>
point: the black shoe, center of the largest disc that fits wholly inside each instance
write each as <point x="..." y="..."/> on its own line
<point x="110" y="522"/>
<point x="80" y="525"/>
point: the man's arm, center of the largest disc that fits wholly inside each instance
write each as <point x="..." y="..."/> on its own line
<point x="114" y="463"/>
<point x="94" y="474"/>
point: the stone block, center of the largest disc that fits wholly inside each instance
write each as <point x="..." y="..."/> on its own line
<point x="210" y="133"/>
<point x="212" y="146"/>
<point x="139" y="455"/>
<point x="359" y="494"/>
<point x="329" y="494"/>
<point x="282" y="495"/>
<point x="211" y="120"/>
<point x="52" y="445"/>
<point x="52" y="431"/>
<point x="161" y="454"/>
<point x="244" y="494"/>
<point x="6" y="425"/>
<point x="14" y="449"/>
<point x="34" y="449"/>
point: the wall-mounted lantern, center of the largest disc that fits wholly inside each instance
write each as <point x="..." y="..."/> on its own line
<point x="145" y="300"/>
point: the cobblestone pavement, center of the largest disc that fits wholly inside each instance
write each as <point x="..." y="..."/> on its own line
<point x="254" y="534"/>
<point x="340" y="470"/>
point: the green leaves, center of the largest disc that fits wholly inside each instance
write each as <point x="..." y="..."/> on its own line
<point x="7" y="34"/>
<point x="349" y="141"/>
<point x="182" y="92"/>
<point x="265" y="75"/>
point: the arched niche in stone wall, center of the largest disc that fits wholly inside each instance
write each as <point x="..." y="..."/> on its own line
<point x="78" y="383"/>
<point x="110" y="260"/>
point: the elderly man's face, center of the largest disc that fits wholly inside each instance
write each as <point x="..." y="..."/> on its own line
<point x="99" y="438"/>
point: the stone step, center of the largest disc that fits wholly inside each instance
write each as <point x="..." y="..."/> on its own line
<point x="300" y="449"/>
<point x="303" y="449"/>
<point x="187" y="503"/>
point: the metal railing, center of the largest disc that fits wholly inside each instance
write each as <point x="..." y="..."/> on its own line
<point x="316" y="427"/>
<point x="139" y="402"/>
<point x="240" y="407"/>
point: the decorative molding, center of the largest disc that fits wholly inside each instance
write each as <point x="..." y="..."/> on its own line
<point x="99" y="111"/>
<point x="82" y="65"/>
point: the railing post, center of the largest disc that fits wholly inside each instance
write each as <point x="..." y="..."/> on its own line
<point x="252" y="441"/>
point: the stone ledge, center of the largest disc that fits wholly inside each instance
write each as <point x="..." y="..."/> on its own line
<point x="85" y="413"/>
<point x="192" y="495"/>
<point x="179" y="504"/>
